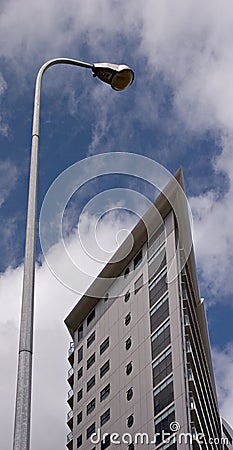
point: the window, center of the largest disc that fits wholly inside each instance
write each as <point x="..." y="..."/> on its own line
<point x="104" y="345"/>
<point x="162" y="367"/>
<point x="105" y="417"/>
<point x="127" y="319"/>
<point x="104" y="369"/>
<point x="91" y="406"/>
<point x="126" y="272"/>
<point x="79" y="441"/>
<point x="80" y="354"/>
<point x="159" y="313"/>
<point x="80" y="332"/>
<point x="129" y="394"/>
<point x="106" y="297"/>
<point x="137" y="260"/>
<point x="91" y="317"/>
<point x="79" y="395"/>
<point x="164" y="424"/>
<point x="130" y="421"/>
<point x="158" y="287"/>
<point x="161" y="339"/>
<point x="156" y="241"/>
<point x="91" y="361"/>
<point x="157" y="262"/>
<point x="163" y="395"/>
<point x="127" y="296"/>
<point x="138" y="284"/>
<point x="105" y="392"/>
<point x="90" y="430"/>
<point x="79" y="417"/>
<point x="129" y="368"/>
<point x="91" y="383"/>
<point x="128" y="343"/>
<point x="90" y="339"/>
<point x="105" y="443"/>
<point x="80" y="373"/>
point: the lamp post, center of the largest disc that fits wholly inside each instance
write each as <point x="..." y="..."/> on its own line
<point x="119" y="77"/>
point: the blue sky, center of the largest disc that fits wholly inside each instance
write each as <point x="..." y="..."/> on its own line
<point x="178" y="112"/>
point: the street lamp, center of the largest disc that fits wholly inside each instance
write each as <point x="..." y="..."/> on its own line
<point x="119" y="77"/>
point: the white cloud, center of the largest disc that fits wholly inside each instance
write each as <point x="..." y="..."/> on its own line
<point x="213" y="224"/>
<point x="223" y="364"/>
<point x="3" y="125"/>
<point x="8" y="179"/>
<point x="52" y="304"/>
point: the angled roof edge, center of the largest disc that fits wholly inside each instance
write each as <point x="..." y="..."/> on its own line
<point x="113" y="269"/>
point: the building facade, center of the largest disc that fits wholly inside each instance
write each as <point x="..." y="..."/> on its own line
<point x="141" y="374"/>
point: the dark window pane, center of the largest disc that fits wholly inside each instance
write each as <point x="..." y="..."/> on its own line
<point x="90" y="430"/>
<point x="138" y="284"/>
<point x="105" y="392"/>
<point x="129" y="394"/>
<point x="161" y="342"/>
<point x="163" y="398"/>
<point x="159" y="314"/>
<point x="105" y="417"/>
<point x="129" y="368"/>
<point x="79" y="395"/>
<point x="91" y="406"/>
<point x="130" y="421"/>
<point x="91" y="383"/>
<point x="79" y="417"/>
<point x="164" y="425"/>
<point x="161" y="370"/>
<point x="156" y="265"/>
<point x="80" y="373"/>
<point x="80" y="332"/>
<point x="105" y="443"/>
<point x="137" y="259"/>
<point x="158" y="290"/>
<point x="90" y="317"/>
<point x="90" y="339"/>
<point x="128" y="343"/>
<point x="80" y="354"/>
<point x="127" y="296"/>
<point x="90" y="360"/>
<point x="104" y="369"/>
<point x="79" y="441"/>
<point x="126" y="272"/>
<point x="127" y="319"/>
<point x="104" y="345"/>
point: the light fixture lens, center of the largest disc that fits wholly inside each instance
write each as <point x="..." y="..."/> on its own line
<point x="121" y="80"/>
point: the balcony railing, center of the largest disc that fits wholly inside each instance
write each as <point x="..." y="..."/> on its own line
<point x="70" y="415"/>
<point x="71" y="349"/>
<point x="70" y="393"/>
<point x="70" y="372"/>
<point x="69" y="437"/>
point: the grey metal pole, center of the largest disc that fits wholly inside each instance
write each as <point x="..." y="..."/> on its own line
<point x="21" y="439"/>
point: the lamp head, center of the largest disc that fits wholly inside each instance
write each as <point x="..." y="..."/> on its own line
<point x="119" y="76"/>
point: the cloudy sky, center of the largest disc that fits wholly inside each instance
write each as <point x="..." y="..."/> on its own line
<point x="179" y="111"/>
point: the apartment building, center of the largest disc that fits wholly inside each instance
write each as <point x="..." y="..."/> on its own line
<point x="141" y="374"/>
